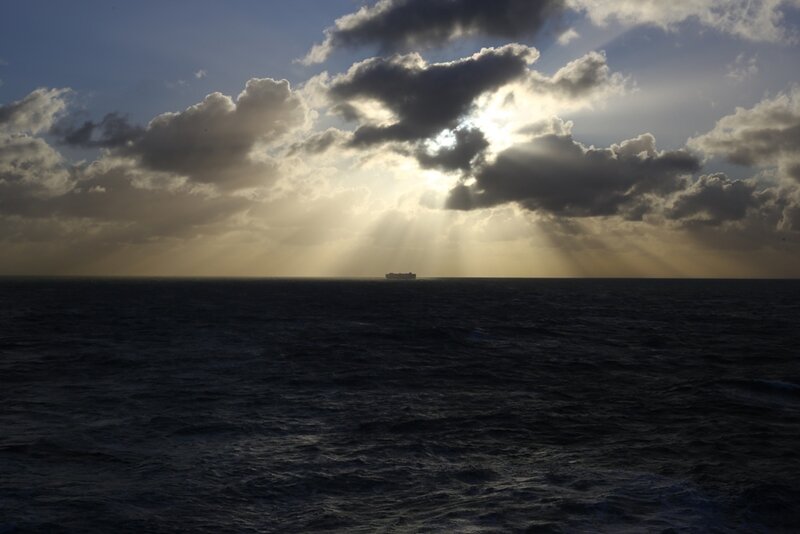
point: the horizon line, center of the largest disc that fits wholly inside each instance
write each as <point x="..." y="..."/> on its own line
<point x="382" y="277"/>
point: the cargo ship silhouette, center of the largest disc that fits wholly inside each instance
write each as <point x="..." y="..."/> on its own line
<point x="401" y="276"/>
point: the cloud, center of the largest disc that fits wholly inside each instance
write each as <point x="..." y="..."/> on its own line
<point x="396" y="25"/>
<point x="466" y="146"/>
<point x="151" y="182"/>
<point x="320" y="142"/>
<point x="767" y="134"/>
<point x="112" y="131"/>
<point x="202" y="73"/>
<point x="115" y="201"/>
<point x="549" y="126"/>
<point x="425" y="99"/>
<point x="580" y="78"/>
<point x="786" y="201"/>
<point x="755" y="20"/>
<point x="29" y="167"/>
<point x="743" y="68"/>
<point x="718" y="213"/>
<point x="568" y="36"/>
<point x="35" y="113"/>
<point x="120" y="192"/>
<point x="474" y="104"/>
<point x="713" y="200"/>
<point x="213" y="141"/>
<point x="555" y="174"/>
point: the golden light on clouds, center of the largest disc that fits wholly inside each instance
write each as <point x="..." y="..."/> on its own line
<point x="426" y="150"/>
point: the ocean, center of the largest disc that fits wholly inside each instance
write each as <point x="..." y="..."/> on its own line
<point x="442" y="405"/>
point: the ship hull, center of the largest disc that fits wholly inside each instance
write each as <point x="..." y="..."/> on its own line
<point x="401" y="276"/>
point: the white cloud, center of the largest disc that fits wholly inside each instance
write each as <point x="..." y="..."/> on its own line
<point x="755" y="20"/>
<point x="35" y="113"/>
<point x="768" y="134"/>
<point x="585" y="77"/>
<point x="29" y="166"/>
<point x="743" y="68"/>
<point x="568" y="36"/>
<point x="202" y="73"/>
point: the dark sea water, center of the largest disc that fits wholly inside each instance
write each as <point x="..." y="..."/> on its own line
<point x="375" y="406"/>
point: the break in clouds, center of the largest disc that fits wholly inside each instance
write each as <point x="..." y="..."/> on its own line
<point x="425" y="101"/>
<point x="555" y="174"/>
<point x="227" y="163"/>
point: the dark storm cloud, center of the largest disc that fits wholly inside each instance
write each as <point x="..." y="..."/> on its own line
<point x="405" y="24"/>
<point x="468" y="145"/>
<point x="713" y="200"/>
<point x="555" y="174"/>
<point x="112" y="131"/>
<point x="427" y="99"/>
<point x="211" y="142"/>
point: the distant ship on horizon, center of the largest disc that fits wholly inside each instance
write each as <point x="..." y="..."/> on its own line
<point x="401" y="276"/>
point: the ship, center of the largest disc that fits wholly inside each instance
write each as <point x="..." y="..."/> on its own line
<point x="401" y="276"/>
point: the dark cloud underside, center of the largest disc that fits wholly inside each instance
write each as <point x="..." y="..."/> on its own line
<point x="714" y="199"/>
<point x="405" y="24"/>
<point x="555" y="174"/>
<point x="112" y="131"/>
<point x="211" y="142"/>
<point x="468" y="145"/>
<point x="427" y="99"/>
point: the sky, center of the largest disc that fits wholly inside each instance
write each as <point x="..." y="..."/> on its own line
<point x="550" y="138"/>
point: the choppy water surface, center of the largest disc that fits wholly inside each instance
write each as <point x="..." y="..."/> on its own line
<point x="435" y="405"/>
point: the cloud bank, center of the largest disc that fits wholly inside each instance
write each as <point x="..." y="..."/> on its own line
<point x="178" y="175"/>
